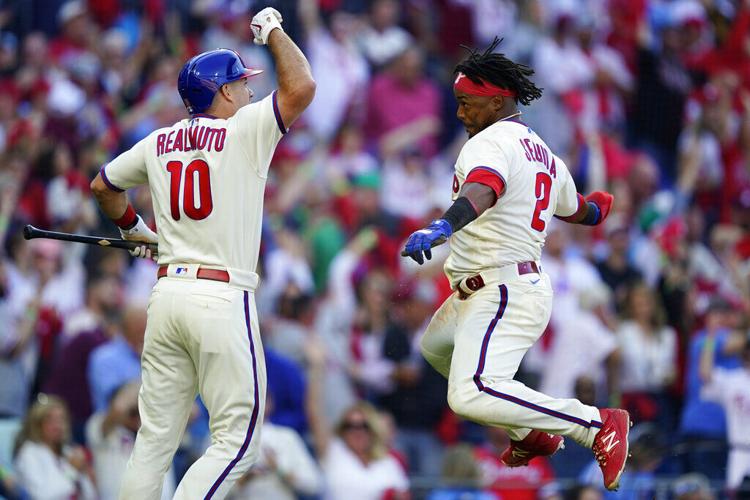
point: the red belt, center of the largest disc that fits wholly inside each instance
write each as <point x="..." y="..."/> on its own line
<point x="202" y="274"/>
<point x="475" y="283"/>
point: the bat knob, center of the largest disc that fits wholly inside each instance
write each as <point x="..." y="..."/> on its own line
<point x="28" y="231"/>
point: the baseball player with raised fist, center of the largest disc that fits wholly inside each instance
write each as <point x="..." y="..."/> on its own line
<point x="207" y="175"/>
<point x="506" y="188"/>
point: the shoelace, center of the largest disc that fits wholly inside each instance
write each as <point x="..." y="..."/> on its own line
<point x="600" y="454"/>
<point x="519" y="453"/>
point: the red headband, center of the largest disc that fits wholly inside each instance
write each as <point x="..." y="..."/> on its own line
<point x="464" y="84"/>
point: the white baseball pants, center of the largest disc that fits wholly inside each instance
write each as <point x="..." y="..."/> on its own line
<point x="478" y="343"/>
<point x="202" y="337"/>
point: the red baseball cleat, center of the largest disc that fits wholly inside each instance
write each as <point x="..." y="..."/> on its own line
<point x="536" y="444"/>
<point x="611" y="445"/>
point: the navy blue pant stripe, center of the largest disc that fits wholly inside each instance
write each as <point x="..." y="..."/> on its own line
<point x="507" y="397"/>
<point x="256" y="409"/>
<point x="488" y="334"/>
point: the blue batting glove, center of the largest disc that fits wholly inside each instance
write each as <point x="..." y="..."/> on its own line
<point x="423" y="240"/>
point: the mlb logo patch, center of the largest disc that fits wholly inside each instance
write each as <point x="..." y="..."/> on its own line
<point x="181" y="270"/>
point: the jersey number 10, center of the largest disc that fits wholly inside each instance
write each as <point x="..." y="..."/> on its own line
<point x="541" y="191"/>
<point x="195" y="168"/>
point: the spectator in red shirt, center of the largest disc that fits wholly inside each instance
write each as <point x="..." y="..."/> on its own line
<point x="78" y="32"/>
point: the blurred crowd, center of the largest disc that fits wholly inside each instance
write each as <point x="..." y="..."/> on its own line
<point x="649" y="99"/>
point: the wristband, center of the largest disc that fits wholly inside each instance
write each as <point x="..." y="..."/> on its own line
<point x="128" y="219"/>
<point x="593" y="215"/>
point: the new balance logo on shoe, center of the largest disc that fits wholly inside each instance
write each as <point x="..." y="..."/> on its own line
<point x="610" y="441"/>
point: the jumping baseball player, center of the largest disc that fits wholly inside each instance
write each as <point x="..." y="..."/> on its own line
<point x="207" y="175"/>
<point x="506" y="188"/>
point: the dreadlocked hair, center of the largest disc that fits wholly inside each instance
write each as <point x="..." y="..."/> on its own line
<point x="501" y="71"/>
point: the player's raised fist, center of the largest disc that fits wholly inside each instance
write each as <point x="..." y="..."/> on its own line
<point x="603" y="200"/>
<point x="420" y="242"/>
<point x="264" y="23"/>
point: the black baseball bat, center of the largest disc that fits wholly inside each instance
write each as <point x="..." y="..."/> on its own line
<point x="30" y="232"/>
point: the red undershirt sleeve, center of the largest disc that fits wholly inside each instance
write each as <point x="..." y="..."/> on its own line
<point x="488" y="177"/>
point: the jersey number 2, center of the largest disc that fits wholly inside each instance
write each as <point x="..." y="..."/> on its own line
<point x="195" y="168"/>
<point x="541" y="191"/>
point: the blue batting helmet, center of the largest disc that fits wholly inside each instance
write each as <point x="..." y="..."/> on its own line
<point x="203" y="75"/>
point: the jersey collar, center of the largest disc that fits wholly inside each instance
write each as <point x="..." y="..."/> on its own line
<point x="517" y="119"/>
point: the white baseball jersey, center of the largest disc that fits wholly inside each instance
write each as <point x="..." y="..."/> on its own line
<point x="731" y="389"/>
<point x="207" y="176"/>
<point x="477" y="342"/>
<point x="537" y="184"/>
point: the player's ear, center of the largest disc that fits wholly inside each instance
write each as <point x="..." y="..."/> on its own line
<point x="497" y="103"/>
<point x="226" y="91"/>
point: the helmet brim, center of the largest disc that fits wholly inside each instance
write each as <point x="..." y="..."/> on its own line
<point x="251" y="72"/>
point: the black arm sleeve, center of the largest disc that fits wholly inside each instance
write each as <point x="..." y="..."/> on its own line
<point x="460" y="213"/>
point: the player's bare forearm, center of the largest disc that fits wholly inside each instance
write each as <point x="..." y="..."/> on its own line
<point x="115" y="205"/>
<point x="296" y="84"/>
<point x="584" y="212"/>
<point x="592" y="210"/>
<point x="481" y="197"/>
<point x="112" y="203"/>
<point x="473" y="200"/>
